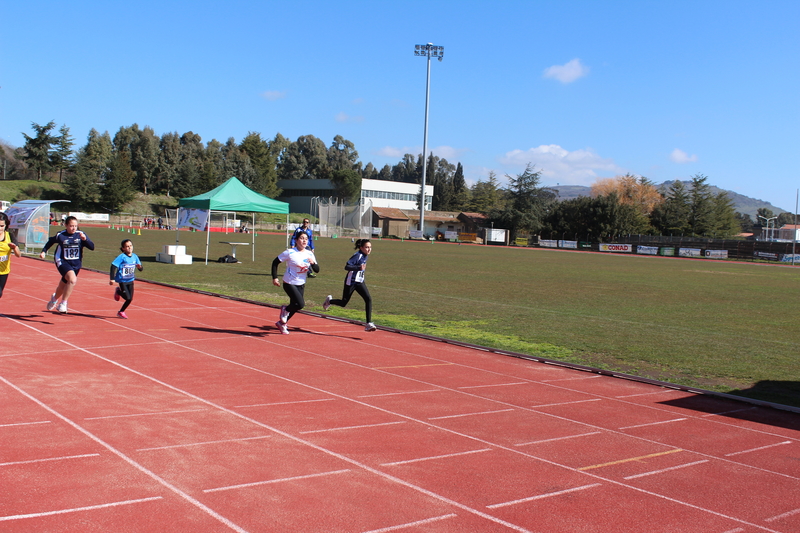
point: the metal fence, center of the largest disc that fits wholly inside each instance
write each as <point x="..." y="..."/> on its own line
<point x="340" y="218"/>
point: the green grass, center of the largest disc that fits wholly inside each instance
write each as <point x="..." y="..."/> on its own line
<point x="726" y="327"/>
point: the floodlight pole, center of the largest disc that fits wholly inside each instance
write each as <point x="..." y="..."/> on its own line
<point x="426" y="50"/>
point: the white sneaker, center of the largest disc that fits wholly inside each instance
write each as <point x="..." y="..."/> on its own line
<point x="284" y="314"/>
<point x="370" y="327"/>
<point x="62" y="307"/>
<point x="326" y="305"/>
<point x="282" y="328"/>
<point x="52" y="303"/>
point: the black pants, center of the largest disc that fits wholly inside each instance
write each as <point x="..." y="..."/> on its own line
<point x="3" y="279"/>
<point x="126" y="291"/>
<point x="362" y="290"/>
<point x="296" y="299"/>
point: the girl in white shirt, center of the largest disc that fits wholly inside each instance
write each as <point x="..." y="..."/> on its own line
<point x="299" y="260"/>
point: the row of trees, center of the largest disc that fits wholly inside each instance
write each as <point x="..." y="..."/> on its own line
<point x="106" y="173"/>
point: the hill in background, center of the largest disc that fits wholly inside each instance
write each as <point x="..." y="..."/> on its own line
<point x="741" y="203"/>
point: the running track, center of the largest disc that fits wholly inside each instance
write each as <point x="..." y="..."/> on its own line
<point x="194" y="415"/>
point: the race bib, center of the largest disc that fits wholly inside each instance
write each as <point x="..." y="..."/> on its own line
<point x="359" y="276"/>
<point x="70" y="254"/>
<point x="128" y="271"/>
<point x="3" y="258"/>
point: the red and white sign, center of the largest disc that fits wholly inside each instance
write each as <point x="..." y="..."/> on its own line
<point x="616" y="248"/>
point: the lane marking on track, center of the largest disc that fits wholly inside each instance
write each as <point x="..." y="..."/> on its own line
<point x="558" y="438"/>
<point x="411" y="524"/>
<point x="622" y="461"/>
<point x="759" y="448"/>
<point x="133" y="415"/>
<point x="434" y="457"/>
<point x="411" y="366"/>
<point x="648" y="393"/>
<point x="24" y="424"/>
<point x="655" y="423"/>
<point x="570" y="379"/>
<point x="566" y="403"/>
<point x="284" y="403"/>
<point x="352" y="427"/>
<point x="540" y="496"/>
<point x="201" y="443"/>
<point x="78" y="509"/>
<point x="665" y="469"/>
<point x="269" y="481"/>
<point x="783" y="515"/>
<point x="735" y="530"/>
<point x="495" y="385"/>
<point x="725" y="413"/>
<point x="51" y="459"/>
<point x="399" y="393"/>
<point x="471" y="414"/>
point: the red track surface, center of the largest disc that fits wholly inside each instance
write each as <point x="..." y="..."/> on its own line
<point x="195" y="415"/>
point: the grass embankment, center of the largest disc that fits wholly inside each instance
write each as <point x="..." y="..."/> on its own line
<point x="721" y="326"/>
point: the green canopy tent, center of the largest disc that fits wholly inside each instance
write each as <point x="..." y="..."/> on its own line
<point x="234" y="196"/>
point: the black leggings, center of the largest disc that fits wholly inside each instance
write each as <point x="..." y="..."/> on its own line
<point x="126" y="291"/>
<point x="3" y="279"/>
<point x="296" y="299"/>
<point x="362" y="290"/>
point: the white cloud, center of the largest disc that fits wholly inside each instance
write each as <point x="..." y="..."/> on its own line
<point x="568" y="72"/>
<point x="273" y="95"/>
<point x="344" y="117"/>
<point x="558" y="165"/>
<point x="448" y="152"/>
<point x="679" y="156"/>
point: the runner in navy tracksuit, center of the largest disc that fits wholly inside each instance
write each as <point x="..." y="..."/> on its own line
<point x="354" y="281"/>
<point x="68" y="255"/>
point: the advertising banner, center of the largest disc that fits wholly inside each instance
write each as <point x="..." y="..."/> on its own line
<point x="548" y="243"/>
<point x="568" y="244"/>
<point x="192" y="218"/>
<point x="647" y="250"/>
<point x="616" y="248"/>
<point x="690" y="252"/>
<point x="717" y="254"/>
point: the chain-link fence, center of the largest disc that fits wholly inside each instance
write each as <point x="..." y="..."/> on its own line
<point x="340" y="218"/>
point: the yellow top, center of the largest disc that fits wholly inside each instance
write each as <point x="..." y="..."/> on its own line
<point x="5" y="254"/>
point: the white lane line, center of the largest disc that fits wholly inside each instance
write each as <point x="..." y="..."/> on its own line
<point x="725" y="413"/>
<point x="23" y="424"/>
<point x="540" y="496"/>
<point x="494" y="385"/>
<point x="655" y="423"/>
<point x="566" y="403"/>
<point x="412" y="524"/>
<point x="145" y="414"/>
<point x="31" y="461"/>
<point x="471" y="414"/>
<point x="735" y="530"/>
<point x="398" y="393"/>
<point x="434" y="457"/>
<point x="647" y="393"/>
<point x="570" y="379"/>
<point x="269" y="481"/>
<point x="78" y="509"/>
<point x="200" y="443"/>
<point x="784" y="515"/>
<point x="759" y="448"/>
<point x="352" y="427"/>
<point x="665" y="469"/>
<point x="283" y="403"/>
<point x="558" y="438"/>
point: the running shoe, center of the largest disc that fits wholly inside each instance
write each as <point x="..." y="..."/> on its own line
<point x="116" y="294"/>
<point x="327" y="303"/>
<point x="122" y="314"/>
<point x="370" y="327"/>
<point x="52" y="303"/>
<point x="62" y="307"/>
<point x="282" y="327"/>
<point x="284" y="314"/>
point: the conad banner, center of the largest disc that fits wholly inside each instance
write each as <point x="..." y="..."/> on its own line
<point x="616" y="248"/>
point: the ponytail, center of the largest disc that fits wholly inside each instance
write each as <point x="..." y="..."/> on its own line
<point x="360" y="243"/>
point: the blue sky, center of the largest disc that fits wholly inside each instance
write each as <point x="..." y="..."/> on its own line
<point x="581" y="89"/>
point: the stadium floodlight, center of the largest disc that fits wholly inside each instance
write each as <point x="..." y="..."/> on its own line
<point x="770" y="236"/>
<point x="426" y="50"/>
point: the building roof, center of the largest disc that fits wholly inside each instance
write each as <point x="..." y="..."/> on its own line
<point x="477" y="217"/>
<point x="433" y="216"/>
<point x="390" y="213"/>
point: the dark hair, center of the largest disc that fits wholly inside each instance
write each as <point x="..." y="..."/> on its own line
<point x="3" y="216"/>
<point x="66" y="221"/>
<point x="361" y="242"/>
<point x="123" y="243"/>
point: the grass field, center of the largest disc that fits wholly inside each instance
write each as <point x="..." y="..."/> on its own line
<point x="721" y="326"/>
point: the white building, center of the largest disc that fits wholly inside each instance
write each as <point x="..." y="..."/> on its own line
<point x="379" y="193"/>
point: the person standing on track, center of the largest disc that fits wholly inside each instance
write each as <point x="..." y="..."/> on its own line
<point x="354" y="281"/>
<point x="304" y="229"/>
<point x="123" y="272"/>
<point x="7" y="247"/>
<point x="299" y="261"/>
<point x="67" y="256"/>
